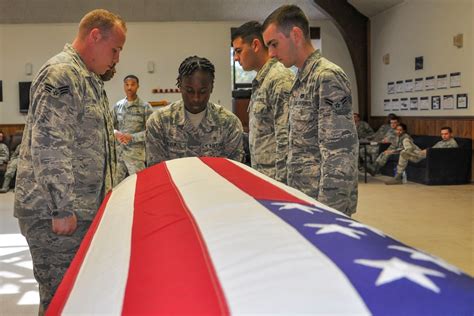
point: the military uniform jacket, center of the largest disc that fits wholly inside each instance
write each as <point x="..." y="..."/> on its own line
<point x="364" y="131"/>
<point x="404" y="142"/>
<point x="130" y="118"/>
<point x="323" y="144"/>
<point x="380" y="133"/>
<point x="268" y="119"/>
<point x="67" y="156"/>
<point x="170" y="134"/>
<point x="451" y="143"/>
<point x="4" y="153"/>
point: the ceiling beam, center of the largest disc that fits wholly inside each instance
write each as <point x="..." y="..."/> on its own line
<point x="354" y="28"/>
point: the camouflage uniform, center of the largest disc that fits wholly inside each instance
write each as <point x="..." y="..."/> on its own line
<point x="67" y="162"/>
<point x="11" y="170"/>
<point x="364" y="131"/>
<point x="323" y="144"/>
<point x="4" y="153"/>
<point x="411" y="152"/>
<point x="389" y="135"/>
<point x="397" y="146"/>
<point x="268" y="119"/>
<point x="170" y="134"/>
<point x="130" y="118"/>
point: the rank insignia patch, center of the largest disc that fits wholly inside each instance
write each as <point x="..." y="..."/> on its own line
<point x="56" y="92"/>
<point x="340" y="106"/>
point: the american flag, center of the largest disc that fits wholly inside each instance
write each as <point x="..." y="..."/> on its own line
<point x="212" y="236"/>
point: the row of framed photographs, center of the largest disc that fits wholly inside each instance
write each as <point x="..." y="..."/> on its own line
<point x="436" y="102"/>
<point x="425" y="84"/>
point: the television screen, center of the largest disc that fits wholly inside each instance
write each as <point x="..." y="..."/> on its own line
<point x="24" y="96"/>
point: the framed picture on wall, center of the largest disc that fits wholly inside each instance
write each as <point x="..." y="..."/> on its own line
<point x="435" y="102"/>
<point x="462" y="101"/>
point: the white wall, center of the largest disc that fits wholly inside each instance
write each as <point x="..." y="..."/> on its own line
<point x="164" y="43"/>
<point x="422" y="28"/>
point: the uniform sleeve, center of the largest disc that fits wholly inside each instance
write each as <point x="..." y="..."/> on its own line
<point x="338" y="142"/>
<point x="139" y="137"/>
<point x="114" y="114"/>
<point x="408" y="145"/>
<point x="155" y="143"/>
<point x="279" y="99"/>
<point x="4" y="153"/>
<point x="56" y="102"/>
<point x="233" y="144"/>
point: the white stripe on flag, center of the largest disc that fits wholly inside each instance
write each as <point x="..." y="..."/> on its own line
<point x="263" y="264"/>
<point x="292" y="191"/>
<point x="101" y="281"/>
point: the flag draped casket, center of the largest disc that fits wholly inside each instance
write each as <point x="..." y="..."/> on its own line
<point x="212" y="236"/>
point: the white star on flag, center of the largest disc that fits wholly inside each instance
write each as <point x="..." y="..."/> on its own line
<point x="334" y="228"/>
<point x="359" y="225"/>
<point x="297" y="206"/>
<point x="418" y="255"/>
<point x="395" y="269"/>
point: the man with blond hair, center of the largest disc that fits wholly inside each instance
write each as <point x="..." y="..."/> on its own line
<point x="67" y="158"/>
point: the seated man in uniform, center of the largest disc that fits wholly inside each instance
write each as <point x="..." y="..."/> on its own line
<point x="413" y="153"/>
<point x="385" y="134"/>
<point x="193" y="126"/>
<point x="402" y="141"/>
<point x="11" y="170"/>
<point x="364" y="131"/>
<point x="4" y="152"/>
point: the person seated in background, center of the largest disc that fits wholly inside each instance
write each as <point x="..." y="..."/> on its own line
<point x="193" y="126"/>
<point x="364" y="131"/>
<point x="413" y="153"/>
<point x="389" y="136"/>
<point x="4" y="152"/>
<point x="402" y="139"/>
<point x="11" y="170"/>
<point x="130" y="116"/>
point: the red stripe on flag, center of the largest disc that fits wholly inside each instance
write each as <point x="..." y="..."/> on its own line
<point x="170" y="268"/>
<point x="64" y="290"/>
<point x="251" y="184"/>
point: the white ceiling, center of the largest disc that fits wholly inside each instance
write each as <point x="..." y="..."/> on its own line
<point x="371" y="8"/>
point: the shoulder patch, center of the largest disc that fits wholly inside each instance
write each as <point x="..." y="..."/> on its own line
<point x="56" y="92"/>
<point x="342" y="106"/>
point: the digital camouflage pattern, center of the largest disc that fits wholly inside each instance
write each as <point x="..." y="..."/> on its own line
<point x="4" y="153"/>
<point x="170" y="134"/>
<point x="51" y="253"/>
<point x="396" y="146"/>
<point x="364" y="131"/>
<point x="12" y="164"/>
<point x="268" y="119"/>
<point x="130" y="118"/>
<point x="413" y="153"/>
<point x="67" y="158"/>
<point x="323" y="144"/>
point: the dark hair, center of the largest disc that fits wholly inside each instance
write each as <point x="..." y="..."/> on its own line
<point x="392" y="116"/>
<point x="404" y="126"/>
<point x="131" y="77"/>
<point x="192" y="64"/>
<point x="444" y="127"/>
<point x="286" y="17"/>
<point x="248" y="32"/>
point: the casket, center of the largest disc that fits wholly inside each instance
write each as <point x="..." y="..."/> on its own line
<point x="211" y="236"/>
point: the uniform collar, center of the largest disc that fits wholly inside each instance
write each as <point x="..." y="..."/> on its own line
<point x="308" y="65"/>
<point x="134" y="102"/>
<point x="68" y="49"/>
<point x="262" y="73"/>
<point x="209" y="119"/>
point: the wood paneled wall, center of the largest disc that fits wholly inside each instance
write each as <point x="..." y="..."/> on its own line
<point x="10" y="129"/>
<point x="429" y="125"/>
